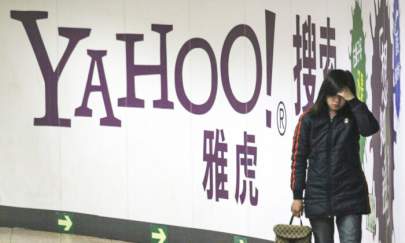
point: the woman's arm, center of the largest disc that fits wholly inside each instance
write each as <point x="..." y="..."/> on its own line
<point x="366" y="122"/>
<point x="300" y="152"/>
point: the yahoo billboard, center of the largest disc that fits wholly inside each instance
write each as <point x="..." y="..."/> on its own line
<point x="75" y="35"/>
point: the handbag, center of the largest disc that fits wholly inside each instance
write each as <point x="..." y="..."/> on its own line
<point x="288" y="233"/>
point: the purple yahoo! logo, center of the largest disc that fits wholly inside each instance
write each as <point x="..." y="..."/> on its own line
<point x="75" y="35"/>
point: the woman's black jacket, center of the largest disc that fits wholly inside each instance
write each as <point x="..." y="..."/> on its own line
<point x="334" y="183"/>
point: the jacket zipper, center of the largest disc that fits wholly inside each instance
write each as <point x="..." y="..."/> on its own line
<point x="329" y="144"/>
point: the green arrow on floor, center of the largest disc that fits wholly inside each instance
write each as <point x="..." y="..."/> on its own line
<point x="239" y="239"/>
<point x="66" y="223"/>
<point x="159" y="234"/>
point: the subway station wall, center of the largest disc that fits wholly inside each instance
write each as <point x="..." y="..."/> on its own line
<point x="183" y="112"/>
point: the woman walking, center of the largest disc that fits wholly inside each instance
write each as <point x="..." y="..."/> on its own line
<point x="327" y="179"/>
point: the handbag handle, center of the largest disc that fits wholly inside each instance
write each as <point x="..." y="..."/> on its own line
<point x="292" y="217"/>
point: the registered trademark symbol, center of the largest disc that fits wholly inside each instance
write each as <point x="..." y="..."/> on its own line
<point x="281" y="118"/>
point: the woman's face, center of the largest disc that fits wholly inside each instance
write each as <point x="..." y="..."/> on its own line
<point x="335" y="102"/>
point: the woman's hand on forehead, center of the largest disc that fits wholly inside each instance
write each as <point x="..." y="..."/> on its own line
<point x="346" y="93"/>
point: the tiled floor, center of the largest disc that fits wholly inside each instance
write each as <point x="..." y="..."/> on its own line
<point x="17" y="235"/>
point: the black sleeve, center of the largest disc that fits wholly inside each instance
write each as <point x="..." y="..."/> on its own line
<point x="366" y="122"/>
<point x="300" y="152"/>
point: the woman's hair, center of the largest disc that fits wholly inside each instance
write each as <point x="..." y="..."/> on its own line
<point x="334" y="81"/>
